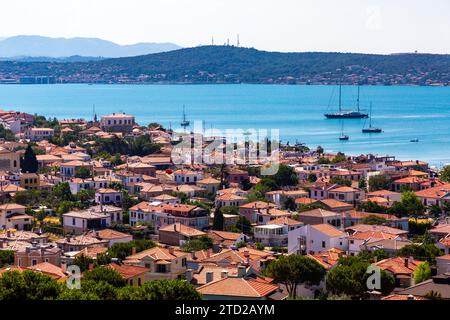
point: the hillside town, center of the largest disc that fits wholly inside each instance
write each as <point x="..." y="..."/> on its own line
<point x="105" y="195"/>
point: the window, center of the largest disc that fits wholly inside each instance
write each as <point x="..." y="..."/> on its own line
<point x="160" y="268"/>
<point x="34" y="262"/>
<point x="323" y="244"/>
<point x="131" y="282"/>
<point x="139" y="282"/>
<point x="73" y="221"/>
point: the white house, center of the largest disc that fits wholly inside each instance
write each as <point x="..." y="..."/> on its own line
<point x="187" y="176"/>
<point x="108" y="196"/>
<point x="69" y="169"/>
<point x="275" y="232"/>
<point x="38" y="134"/>
<point x="79" y="222"/>
<point x="119" y="122"/>
<point x="311" y="239"/>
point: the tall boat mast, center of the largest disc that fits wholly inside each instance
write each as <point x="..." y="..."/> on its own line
<point x="340" y="95"/>
<point x="358" y="98"/>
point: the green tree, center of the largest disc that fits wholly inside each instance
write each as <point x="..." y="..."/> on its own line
<point x="62" y="192"/>
<point x="422" y="273"/>
<point x="350" y="276"/>
<point x="123" y="250"/>
<point x="202" y="243"/>
<point x="312" y="177"/>
<point x="29" y="161"/>
<point x="27" y="285"/>
<point x="6" y="134"/>
<point x="378" y="182"/>
<point x="341" y="181"/>
<point x="397" y="209"/>
<point x="374" y="220"/>
<point x="293" y="270"/>
<point x="424" y="252"/>
<point x="83" y="173"/>
<point x="285" y="176"/>
<point x="319" y="150"/>
<point x="83" y="262"/>
<point x="105" y="274"/>
<point x="323" y="160"/>
<point x="91" y="290"/>
<point x="161" y="290"/>
<point x="445" y="174"/>
<point x="243" y="225"/>
<point x="312" y="206"/>
<point x="412" y="204"/>
<point x="259" y="246"/>
<point x="290" y="204"/>
<point x="435" y="211"/>
<point x="218" y="222"/>
<point x="85" y="196"/>
<point x="362" y="184"/>
<point x="373" y="207"/>
<point x="373" y="256"/>
<point x="6" y="257"/>
<point x="340" y="157"/>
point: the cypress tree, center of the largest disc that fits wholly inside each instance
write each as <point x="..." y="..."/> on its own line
<point x="218" y="222"/>
<point x="29" y="162"/>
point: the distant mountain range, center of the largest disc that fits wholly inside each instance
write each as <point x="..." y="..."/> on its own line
<point x="228" y="64"/>
<point x="37" y="46"/>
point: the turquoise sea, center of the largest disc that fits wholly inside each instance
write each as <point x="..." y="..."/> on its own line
<point x="404" y="113"/>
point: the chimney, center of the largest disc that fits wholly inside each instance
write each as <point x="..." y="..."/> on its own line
<point x="247" y="256"/>
<point x="224" y="274"/>
<point x="64" y="267"/>
<point x="209" y="276"/>
<point x="193" y="257"/>
<point x="241" y="271"/>
<point x="406" y="262"/>
<point x="8" y="234"/>
<point x="189" y="274"/>
<point x="133" y="251"/>
<point x="208" y="253"/>
<point x="171" y="250"/>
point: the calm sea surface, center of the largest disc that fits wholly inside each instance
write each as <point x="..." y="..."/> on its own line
<point x="404" y="113"/>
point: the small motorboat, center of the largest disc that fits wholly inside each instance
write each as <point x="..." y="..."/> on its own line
<point x="414" y="140"/>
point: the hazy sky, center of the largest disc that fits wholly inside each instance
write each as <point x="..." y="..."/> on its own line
<point x="379" y="26"/>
